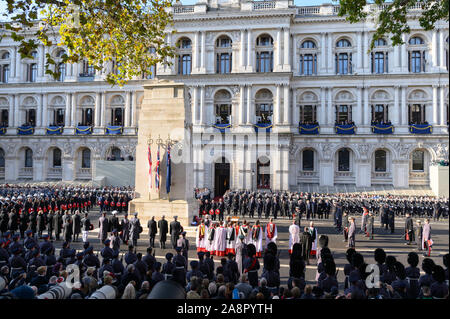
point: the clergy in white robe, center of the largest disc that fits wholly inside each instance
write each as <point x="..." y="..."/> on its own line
<point x="271" y="233"/>
<point x="221" y="240"/>
<point x="231" y="240"/>
<point x="294" y="235"/>
<point x="256" y="238"/>
<point x="211" y="240"/>
<point x="201" y="237"/>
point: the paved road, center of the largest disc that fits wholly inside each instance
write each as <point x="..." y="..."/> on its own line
<point x="392" y="243"/>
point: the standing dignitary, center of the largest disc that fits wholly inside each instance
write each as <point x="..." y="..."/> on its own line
<point x="58" y="223"/>
<point x="103" y="224"/>
<point x="256" y="238"/>
<point x="76" y="224"/>
<point x="152" y="231"/>
<point x="370" y="226"/>
<point x="305" y="242"/>
<point x="163" y="230"/>
<point x="271" y="233"/>
<point x="294" y="235"/>
<point x="419" y="231"/>
<point x="85" y="227"/>
<point x="67" y="227"/>
<point x="175" y="231"/>
<point x="135" y="229"/>
<point x="351" y="233"/>
<point x="426" y="238"/>
<point x="314" y="237"/>
<point x="125" y="229"/>
<point x="200" y="237"/>
<point x="409" y="229"/>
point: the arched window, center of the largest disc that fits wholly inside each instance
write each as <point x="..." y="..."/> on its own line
<point x="264" y="106"/>
<point x="32" y="72"/>
<point x="344" y="160"/>
<point x="380" y="57"/>
<point x="115" y="154"/>
<point x="308" y="160"/>
<point x="418" y="161"/>
<point x="380" y="161"/>
<point x="184" y="56"/>
<point x="416" y="114"/>
<point x="264" y="53"/>
<point x="4" y="118"/>
<point x="2" y="158"/>
<point x="416" y="55"/>
<point x="344" y="114"/>
<point x="4" y="67"/>
<point x="379" y="113"/>
<point x="222" y="105"/>
<point x="28" y="158"/>
<point x="86" y="158"/>
<point x="263" y="173"/>
<point x="223" y="55"/>
<point x="87" y="69"/>
<point x="343" y="57"/>
<point x="56" y="157"/>
<point x="308" y="58"/>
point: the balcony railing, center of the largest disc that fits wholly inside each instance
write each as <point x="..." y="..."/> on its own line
<point x="54" y="173"/>
<point x="84" y="173"/>
<point x="26" y="172"/>
<point x="2" y="173"/>
<point x="308" y="174"/>
<point x="183" y="9"/>
<point x="309" y="10"/>
<point x="264" y="5"/>
<point x="381" y="175"/>
<point x="343" y="174"/>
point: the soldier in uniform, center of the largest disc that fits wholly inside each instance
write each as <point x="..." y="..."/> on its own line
<point x="163" y="230"/>
<point x="152" y="231"/>
<point x="85" y="227"/>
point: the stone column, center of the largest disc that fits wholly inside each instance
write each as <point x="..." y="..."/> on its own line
<point x="323" y="55"/>
<point x="322" y="112"/>
<point x="67" y="111"/>
<point x="44" y="110"/>
<point x="39" y="113"/>
<point x="242" y="106"/>
<point x="12" y="107"/>
<point x="286" y="117"/>
<point x="74" y="109"/>
<point x="295" y="58"/>
<point x="330" y="118"/>
<point x="287" y="50"/>
<point x="278" y="51"/>
<point x="277" y="108"/>
<point x="195" y="53"/>
<point x="295" y="110"/>
<point x="434" y="50"/>
<point x="442" y="50"/>
<point x="41" y="63"/>
<point x="16" y="111"/>
<point x="250" y="48"/>
<point x="396" y="59"/>
<point x="358" y="52"/>
<point x="250" y="107"/>
<point x="366" y="118"/>
<point x="358" y="118"/>
<point x="127" y="108"/>
<point x="202" y="106"/>
<point x="134" y="108"/>
<point x="396" y="110"/>
<point x="404" y="106"/>
<point x="203" y="55"/>
<point x="442" y="108"/>
<point x="194" y="105"/>
<point x="434" y="120"/>
<point x="365" y="56"/>
<point x="13" y="64"/>
<point x="242" y="51"/>
<point x="103" y="113"/>
<point x="97" y="109"/>
<point x="404" y="55"/>
<point x="330" y="58"/>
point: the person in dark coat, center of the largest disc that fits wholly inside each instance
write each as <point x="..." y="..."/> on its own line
<point x="351" y="233"/>
<point x="175" y="231"/>
<point x="370" y="226"/>
<point x="135" y="229"/>
<point x="152" y="231"/>
<point x="13" y="221"/>
<point x="306" y="244"/>
<point x="40" y="223"/>
<point x="57" y="224"/>
<point x="409" y="229"/>
<point x="163" y="230"/>
<point x="50" y="224"/>
<point x="67" y="227"/>
<point x="76" y="225"/>
<point x="103" y="224"/>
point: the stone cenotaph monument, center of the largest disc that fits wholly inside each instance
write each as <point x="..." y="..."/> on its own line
<point x="164" y="120"/>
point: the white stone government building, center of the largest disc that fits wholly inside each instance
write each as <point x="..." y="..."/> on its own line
<point x="345" y="118"/>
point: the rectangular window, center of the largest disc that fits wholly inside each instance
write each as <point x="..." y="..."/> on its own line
<point x="308" y="114"/>
<point x="224" y="63"/>
<point x="185" y="64"/>
<point x="308" y="160"/>
<point x="56" y="158"/>
<point x="4" y="73"/>
<point x="4" y="118"/>
<point x="31" y="117"/>
<point x="32" y="72"/>
<point x="264" y="63"/>
<point x="417" y="161"/>
<point x="59" y="117"/>
<point x="416" y="114"/>
<point x="343" y="67"/>
<point x="416" y="61"/>
<point x="308" y="64"/>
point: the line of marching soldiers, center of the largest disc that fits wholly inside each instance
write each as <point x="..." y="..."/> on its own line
<point x="314" y="205"/>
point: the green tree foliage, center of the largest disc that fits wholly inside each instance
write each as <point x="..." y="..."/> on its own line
<point x="391" y="16"/>
<point x="122" y="32"/>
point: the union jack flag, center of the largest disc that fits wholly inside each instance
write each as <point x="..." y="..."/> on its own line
<point x="157" y="170"/>
<point x="149" y="155"/>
